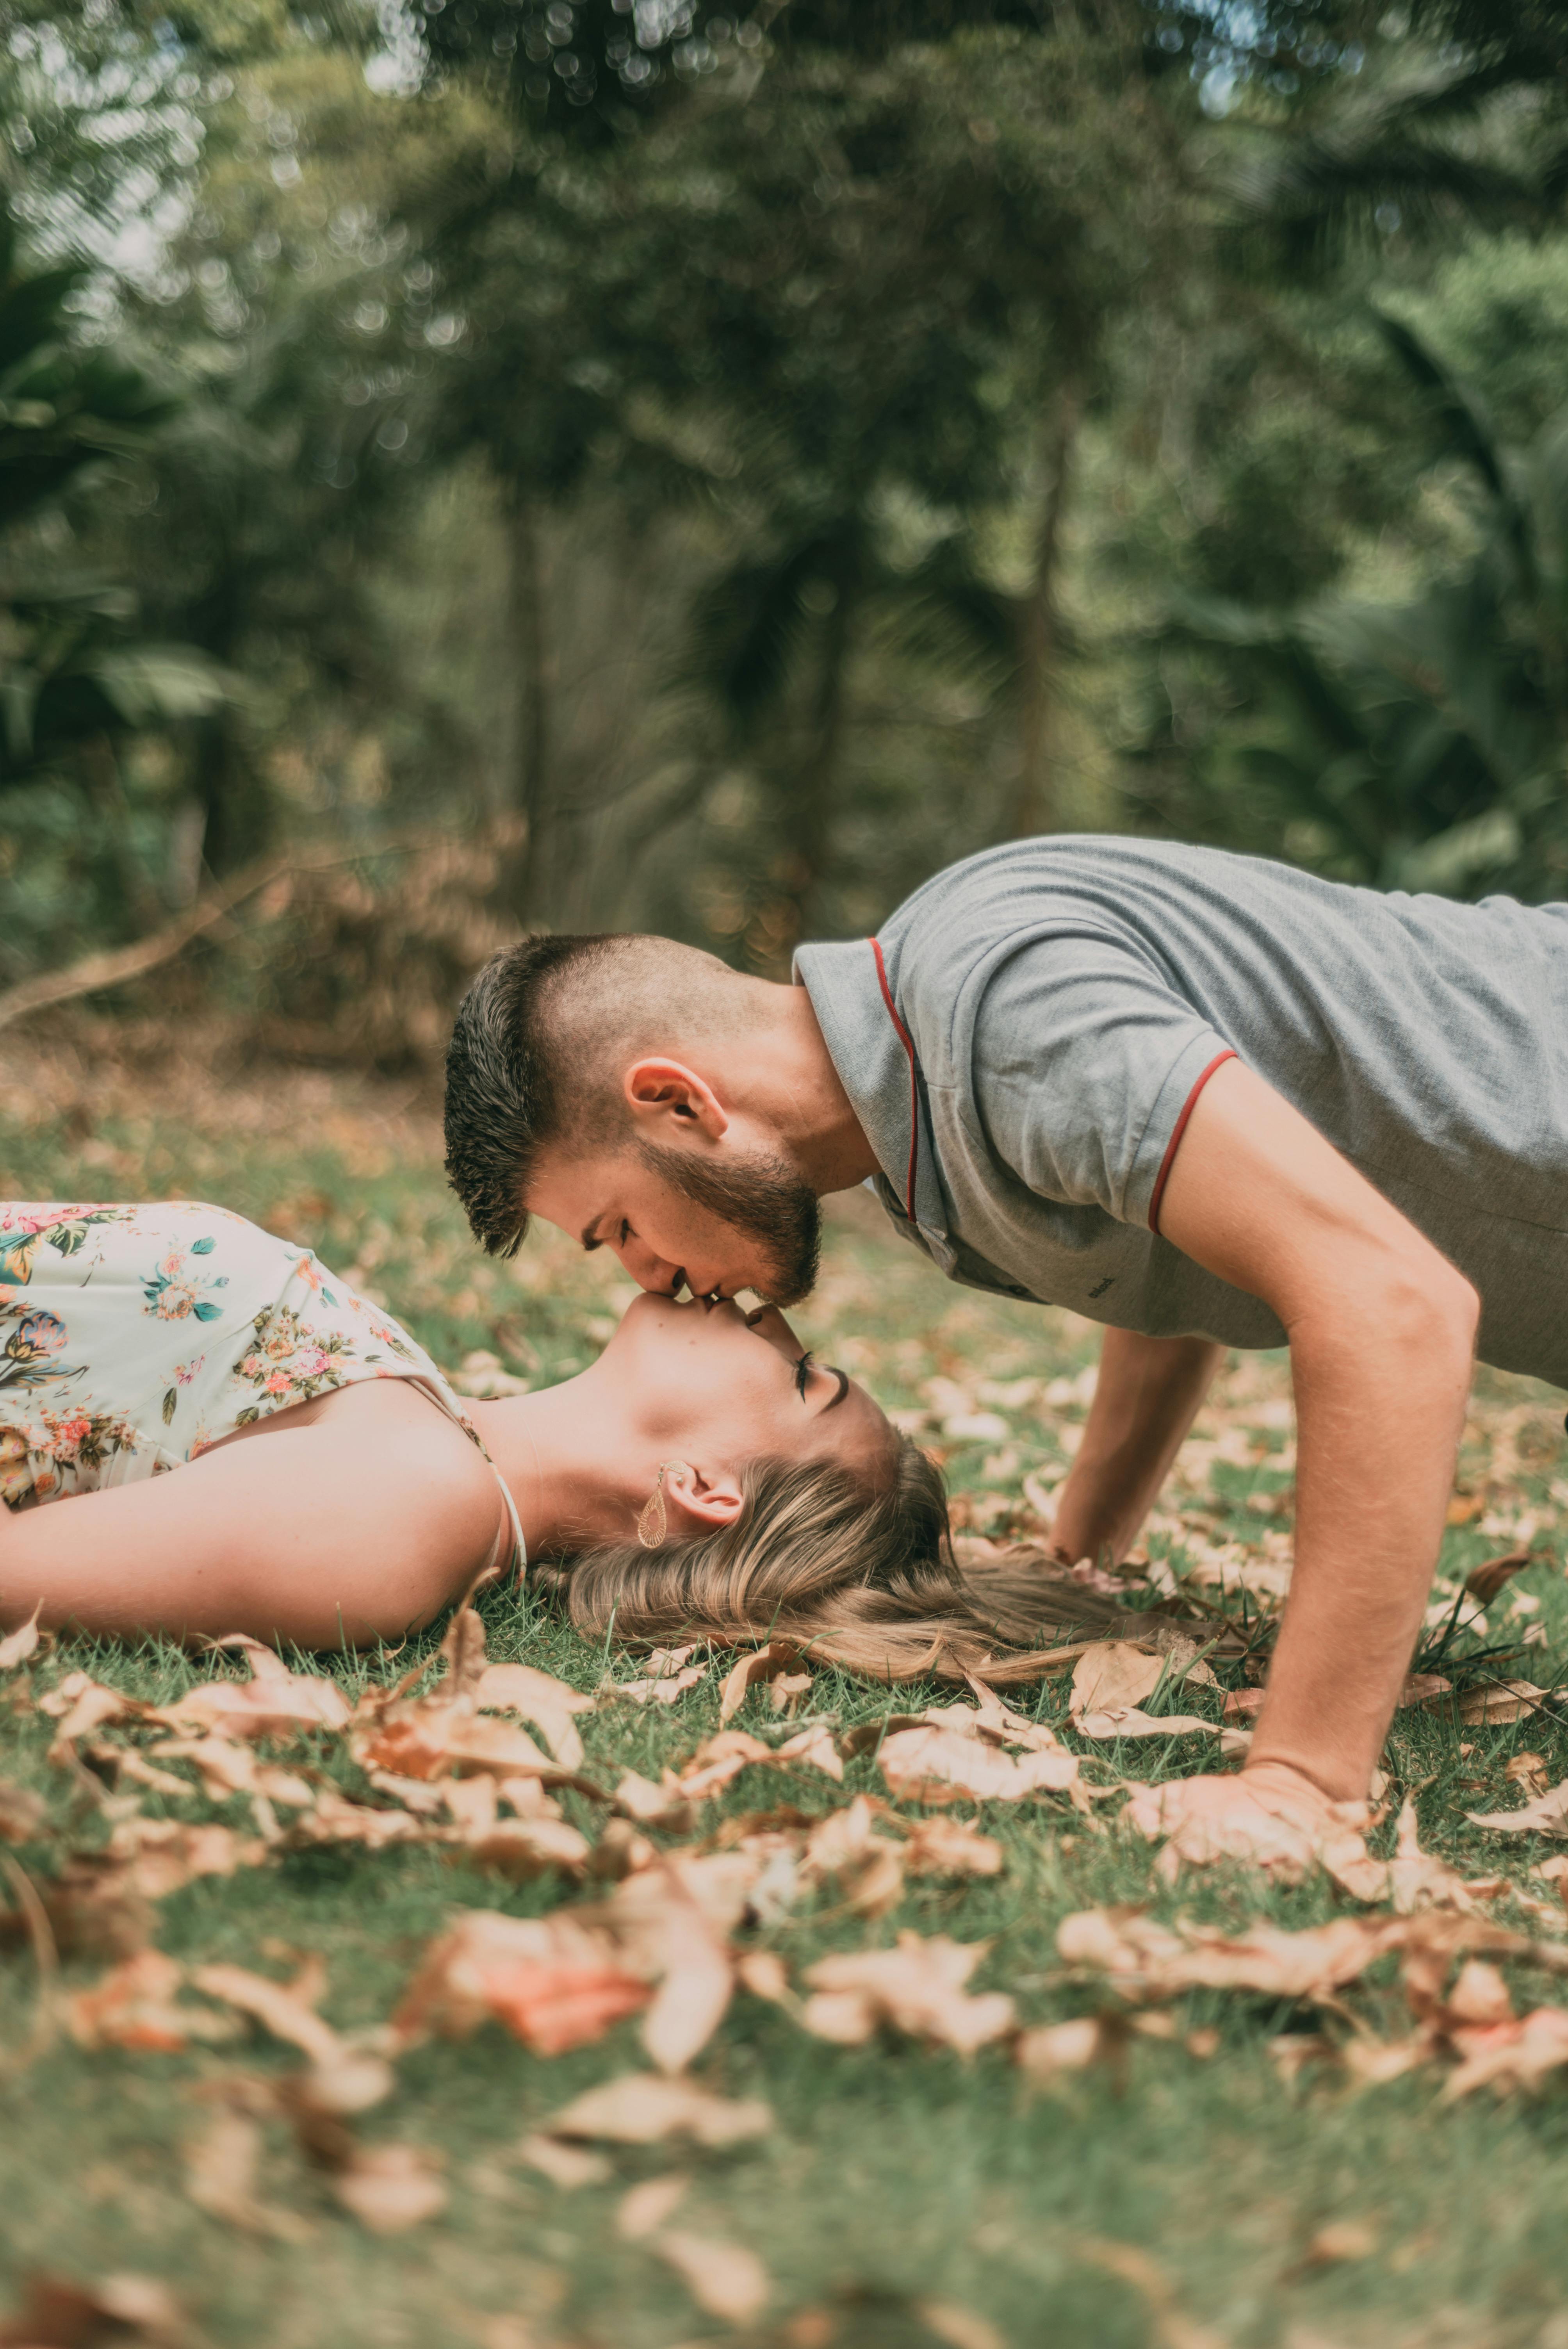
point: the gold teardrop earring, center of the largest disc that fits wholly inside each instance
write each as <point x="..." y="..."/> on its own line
<point x="653" y="1524"/>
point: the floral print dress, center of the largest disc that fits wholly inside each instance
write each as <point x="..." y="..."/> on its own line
<point x="132" y="1339"/>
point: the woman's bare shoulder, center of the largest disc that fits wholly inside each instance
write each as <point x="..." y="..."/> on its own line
<point x="389" y="1437"/>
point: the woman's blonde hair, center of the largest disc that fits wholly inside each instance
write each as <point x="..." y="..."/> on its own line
<point x="854" y="1574"/>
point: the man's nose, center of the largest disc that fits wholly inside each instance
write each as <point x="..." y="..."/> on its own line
<point x="648" y="1270"/>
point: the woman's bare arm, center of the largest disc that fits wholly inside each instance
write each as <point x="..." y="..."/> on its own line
<point x="324" y="1537"/>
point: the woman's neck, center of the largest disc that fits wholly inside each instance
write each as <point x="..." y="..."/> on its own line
<point x="556" y="1451"/>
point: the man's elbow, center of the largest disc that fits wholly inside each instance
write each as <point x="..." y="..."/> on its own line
<point x="1431" y="1312"/>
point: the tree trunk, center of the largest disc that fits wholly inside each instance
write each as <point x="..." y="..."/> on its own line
<point x="1033" y="806"/>
<point x="140" y="901"/>
<point x="236" y="799"/>
<point x="529" y="879"/>
<point x="811" y="805"/>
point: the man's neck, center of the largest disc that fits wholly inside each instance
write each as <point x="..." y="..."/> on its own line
<point x="780" y="1073"/>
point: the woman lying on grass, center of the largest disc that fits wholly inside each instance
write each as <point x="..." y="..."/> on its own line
<point x="706" y="1478"/>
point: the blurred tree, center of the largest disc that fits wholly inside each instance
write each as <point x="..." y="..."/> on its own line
<point x="804" y="293"/>
<point x="78" y="674"/>
<point x="1420" y="744"/>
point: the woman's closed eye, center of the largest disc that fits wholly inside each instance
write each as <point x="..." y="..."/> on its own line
<point x="802" y="1373"/>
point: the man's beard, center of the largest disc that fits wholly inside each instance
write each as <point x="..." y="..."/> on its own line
<point x="760" y="1195"/>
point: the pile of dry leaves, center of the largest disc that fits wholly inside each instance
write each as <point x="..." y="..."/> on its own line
<point x="666" y="1923"/>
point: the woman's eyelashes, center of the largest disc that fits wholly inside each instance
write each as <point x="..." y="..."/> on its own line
<point x="802" y="1373"/>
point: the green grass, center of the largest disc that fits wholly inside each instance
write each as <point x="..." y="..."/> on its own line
<point x="894" y="2174"/>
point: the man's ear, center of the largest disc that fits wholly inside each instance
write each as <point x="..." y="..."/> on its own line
<point x="667" y="1094"/>
<point x="699" y="1504"/>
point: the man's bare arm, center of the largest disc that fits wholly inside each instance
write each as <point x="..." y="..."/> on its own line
<point x="1382" y="1332"/>
<point x="1149" y="1389"/>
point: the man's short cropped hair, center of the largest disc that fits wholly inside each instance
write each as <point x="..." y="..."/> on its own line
<point x="504" y="1098"/>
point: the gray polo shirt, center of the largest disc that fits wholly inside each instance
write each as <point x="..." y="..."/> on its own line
<point x="1025" y="1039"/>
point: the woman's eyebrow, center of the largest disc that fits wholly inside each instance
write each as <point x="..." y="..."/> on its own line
<point x="843" y="1378"/>
<point x="591" y="1239"/>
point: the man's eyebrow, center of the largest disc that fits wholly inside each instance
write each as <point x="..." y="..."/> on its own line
<point x="843" y="1378"/>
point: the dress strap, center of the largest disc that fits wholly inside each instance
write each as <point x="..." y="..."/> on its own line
<point x="439" y="1392"/>
<point x="519" y="1546"/>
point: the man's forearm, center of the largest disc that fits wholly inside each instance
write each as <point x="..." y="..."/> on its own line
<point x="1148" y="1391"/>
<point x="1379" y="1413"/>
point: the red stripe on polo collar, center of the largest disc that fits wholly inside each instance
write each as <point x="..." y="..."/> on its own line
<point x="905" y="1040"/>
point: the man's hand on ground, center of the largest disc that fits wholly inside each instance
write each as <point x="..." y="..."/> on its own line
<point x="1269" y="1814"/>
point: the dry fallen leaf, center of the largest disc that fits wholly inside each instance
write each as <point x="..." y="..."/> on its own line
<point x="23" y="1813"/>
<point x="716" y="1762"/>
<point x="947" y="1847"/>
<point x="220" y="2168"/>
<point x="1424" y="1689"/>
<point x="672" y="1920"/>
<point x="334" y="1819"/>
<point x="1485" y="1582"/>
<point x="1528" y="1773"/>
<point x="644" y="2208"/>
<point x="961" y="2328"/>
<point x="566" y="2166"/>
<point x="918" y="1987"/>
<point x="274" y="1702"/>
<point x="724" y="2278"/>
<point x="1547" y="1814"/>
<point x="655" y="1806"/>
<point x="1508" y="2055"/>
<point x="665" y="1689"/>
<point x="445" y="1732"/>
<point x="761" y="1664"/>
<point x="930" y="1765"/>
<point x="390" y="2187"/>
<point x="1482" y="1708"/>
<point x="525" y="1848"/>
<point x="19" y="1644"/>
<point x="1170" y="2329"/>
<point x="82" y="1704"/>
<point x="814" y="1747"/>
<point x="227" y="1768"/>
<point x="642" y="2108"/>
<point x="1145" y="1959"/>
<point x="1113" y="1674"/>
<point x="549" y="1704"/>
<point x="556" y="1985"/>
<point x="157" y="1857"/>
<point x="275" y="2005"/>
<point x="1052" y="2048"/>
<point x="764" y="1973"/>
<point x="134" y="2006"/>
<point x="1131" y="1722"/>
<point x="1417" y="1880"/>
<point x="1109" y="1682"/>
<point x="1479" y="1996"/>
<point x="1345" y="2238"/>
<point x="117" y="2309"/>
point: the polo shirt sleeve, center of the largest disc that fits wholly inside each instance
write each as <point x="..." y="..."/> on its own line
<point x="1085" y="1065"/>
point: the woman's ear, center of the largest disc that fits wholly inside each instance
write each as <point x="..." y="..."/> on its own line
<point x="699" y="1504"/>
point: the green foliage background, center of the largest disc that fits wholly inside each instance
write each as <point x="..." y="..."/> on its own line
<point x="730" y="463"/>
